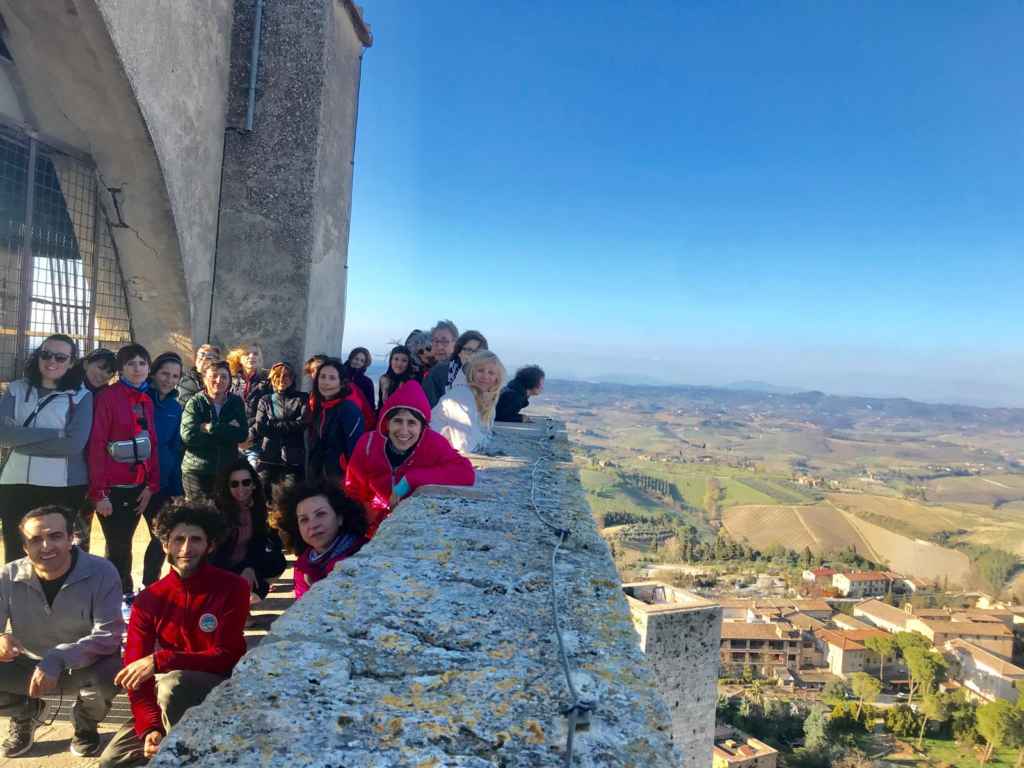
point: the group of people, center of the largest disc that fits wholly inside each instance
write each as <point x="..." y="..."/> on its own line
<point x="230" y="466"/>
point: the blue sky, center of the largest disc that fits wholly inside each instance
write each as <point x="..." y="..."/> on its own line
<point x="823" y="195"/>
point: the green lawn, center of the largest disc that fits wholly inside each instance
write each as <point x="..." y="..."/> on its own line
<point x="942" y="752"/>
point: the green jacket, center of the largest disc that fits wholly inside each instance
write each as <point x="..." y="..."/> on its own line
<point x="206" y="453"/>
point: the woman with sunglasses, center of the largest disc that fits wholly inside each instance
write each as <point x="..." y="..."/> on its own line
<point x="251" y="549"/>
<point x="45" y="418"/>
<point x="124" y="471"/>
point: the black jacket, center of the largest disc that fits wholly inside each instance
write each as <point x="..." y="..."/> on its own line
<point x="279" y="433"/>
<point x="512" y="400"/>
<point x="258" y="387"/>
<point x="332" y="435"/>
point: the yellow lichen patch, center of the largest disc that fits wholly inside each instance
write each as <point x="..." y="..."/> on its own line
<point x="534" y="732"/>
<point x="432" y="762"/>
<point x="388" y="641"/>
<point x="501" y="709"/>
<point x="501" y="738"/>
<point x="506" y="684"/>
<point x="503" y="651"/>
<point x="396" y="701"/>
<point x="437" y="729"/>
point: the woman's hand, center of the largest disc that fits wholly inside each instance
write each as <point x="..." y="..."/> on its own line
<point x="143" y="502"/>
<point x="393" y="501"/>
<point x="207" y="427"/>
<point x="104" y="508"/>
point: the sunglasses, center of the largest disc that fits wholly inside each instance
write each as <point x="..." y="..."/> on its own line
<point x="47" y="355"/>
<point x="244" y="483"/>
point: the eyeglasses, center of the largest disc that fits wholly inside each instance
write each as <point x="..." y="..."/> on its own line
<point x="471" y="350"/>
<point x="244" y="483"/>
<point x="47" y="355"/>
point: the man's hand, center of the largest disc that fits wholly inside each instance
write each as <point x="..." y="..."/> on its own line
<point x="41" y="684"/>
<point x="10" y="648"/>
<point x="234" y="423"/>
<point x="136" y="673"/>
<point x="143" y="502"/>
<point x="151" y="743"/>
<point x="208" y="427"/>
<point x="104" y="508"/>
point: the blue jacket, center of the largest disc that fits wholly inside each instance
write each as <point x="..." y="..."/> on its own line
<point x="167" y="413"/>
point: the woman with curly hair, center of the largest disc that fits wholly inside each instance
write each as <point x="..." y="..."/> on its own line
<point x="250" y="549"/>
<point x="277" y="433"/>
<point x="465" y="415"/>
<point x="320" y="525"/>
<point x="248" y="379"/>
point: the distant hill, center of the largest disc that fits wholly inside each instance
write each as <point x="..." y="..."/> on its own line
<point x="831" y="412"/>
<point x="760" y="386"/>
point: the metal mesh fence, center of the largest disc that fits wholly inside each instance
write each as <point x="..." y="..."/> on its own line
<point x="58" y="264"/>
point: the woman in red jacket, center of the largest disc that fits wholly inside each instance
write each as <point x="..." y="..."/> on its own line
<point x="402" y="454"/>
<point x="124" y="469"/>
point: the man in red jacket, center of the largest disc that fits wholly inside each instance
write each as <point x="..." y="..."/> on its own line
<point x="186" y="628"/>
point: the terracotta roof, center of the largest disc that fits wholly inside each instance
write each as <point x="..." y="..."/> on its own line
<point x="843" y="621"/>
<point x="989" y="659"/>
<point x="973" y="628"/>
<point x="866" y="576"/>
<point x="784" y="603"/>
<point x="740" y="630"/>
<point x="883" y="611"/>
<point x="849" y="639"/>
<point x="803" y="621"/>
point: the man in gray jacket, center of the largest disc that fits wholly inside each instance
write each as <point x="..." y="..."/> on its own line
<point x="64" y="609"/>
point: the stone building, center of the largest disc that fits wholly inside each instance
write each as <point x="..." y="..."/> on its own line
<point x="748" y="753"/>
<point x="679" y="635"/>
<point x="862" y="583"/>
<point x="173" y="172"/>
<point x="761" y="647"/>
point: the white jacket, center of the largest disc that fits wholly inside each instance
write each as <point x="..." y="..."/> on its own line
<point x="456" y="417"/>
<point x="50" y="449"/>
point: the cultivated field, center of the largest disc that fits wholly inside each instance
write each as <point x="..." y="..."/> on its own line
<point x="825" y="528"/>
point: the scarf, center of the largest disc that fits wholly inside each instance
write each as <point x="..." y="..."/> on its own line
<point x="339" y="545"/>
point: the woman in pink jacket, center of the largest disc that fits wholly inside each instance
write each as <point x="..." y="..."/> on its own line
<point x="402" y="454"/>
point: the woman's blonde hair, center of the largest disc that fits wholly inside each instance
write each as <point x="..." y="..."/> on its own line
<point x="234" y="357"/>
<point x="486" y="401"/>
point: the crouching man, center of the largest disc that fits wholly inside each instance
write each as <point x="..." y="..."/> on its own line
<point x="184" y="635"/>
<point x="64" y="610"/>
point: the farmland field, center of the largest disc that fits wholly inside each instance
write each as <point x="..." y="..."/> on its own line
<point x="826" y="528"/>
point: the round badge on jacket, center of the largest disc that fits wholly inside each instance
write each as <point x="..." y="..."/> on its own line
<point x="207" y="622"/>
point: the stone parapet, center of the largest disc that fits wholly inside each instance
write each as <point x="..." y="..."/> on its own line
<point x="435" y="646"/>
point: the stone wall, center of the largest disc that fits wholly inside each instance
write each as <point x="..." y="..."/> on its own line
<point x="680" y="635"/>
<point x="283" y="248"/>
<point x="435" y="646"/>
